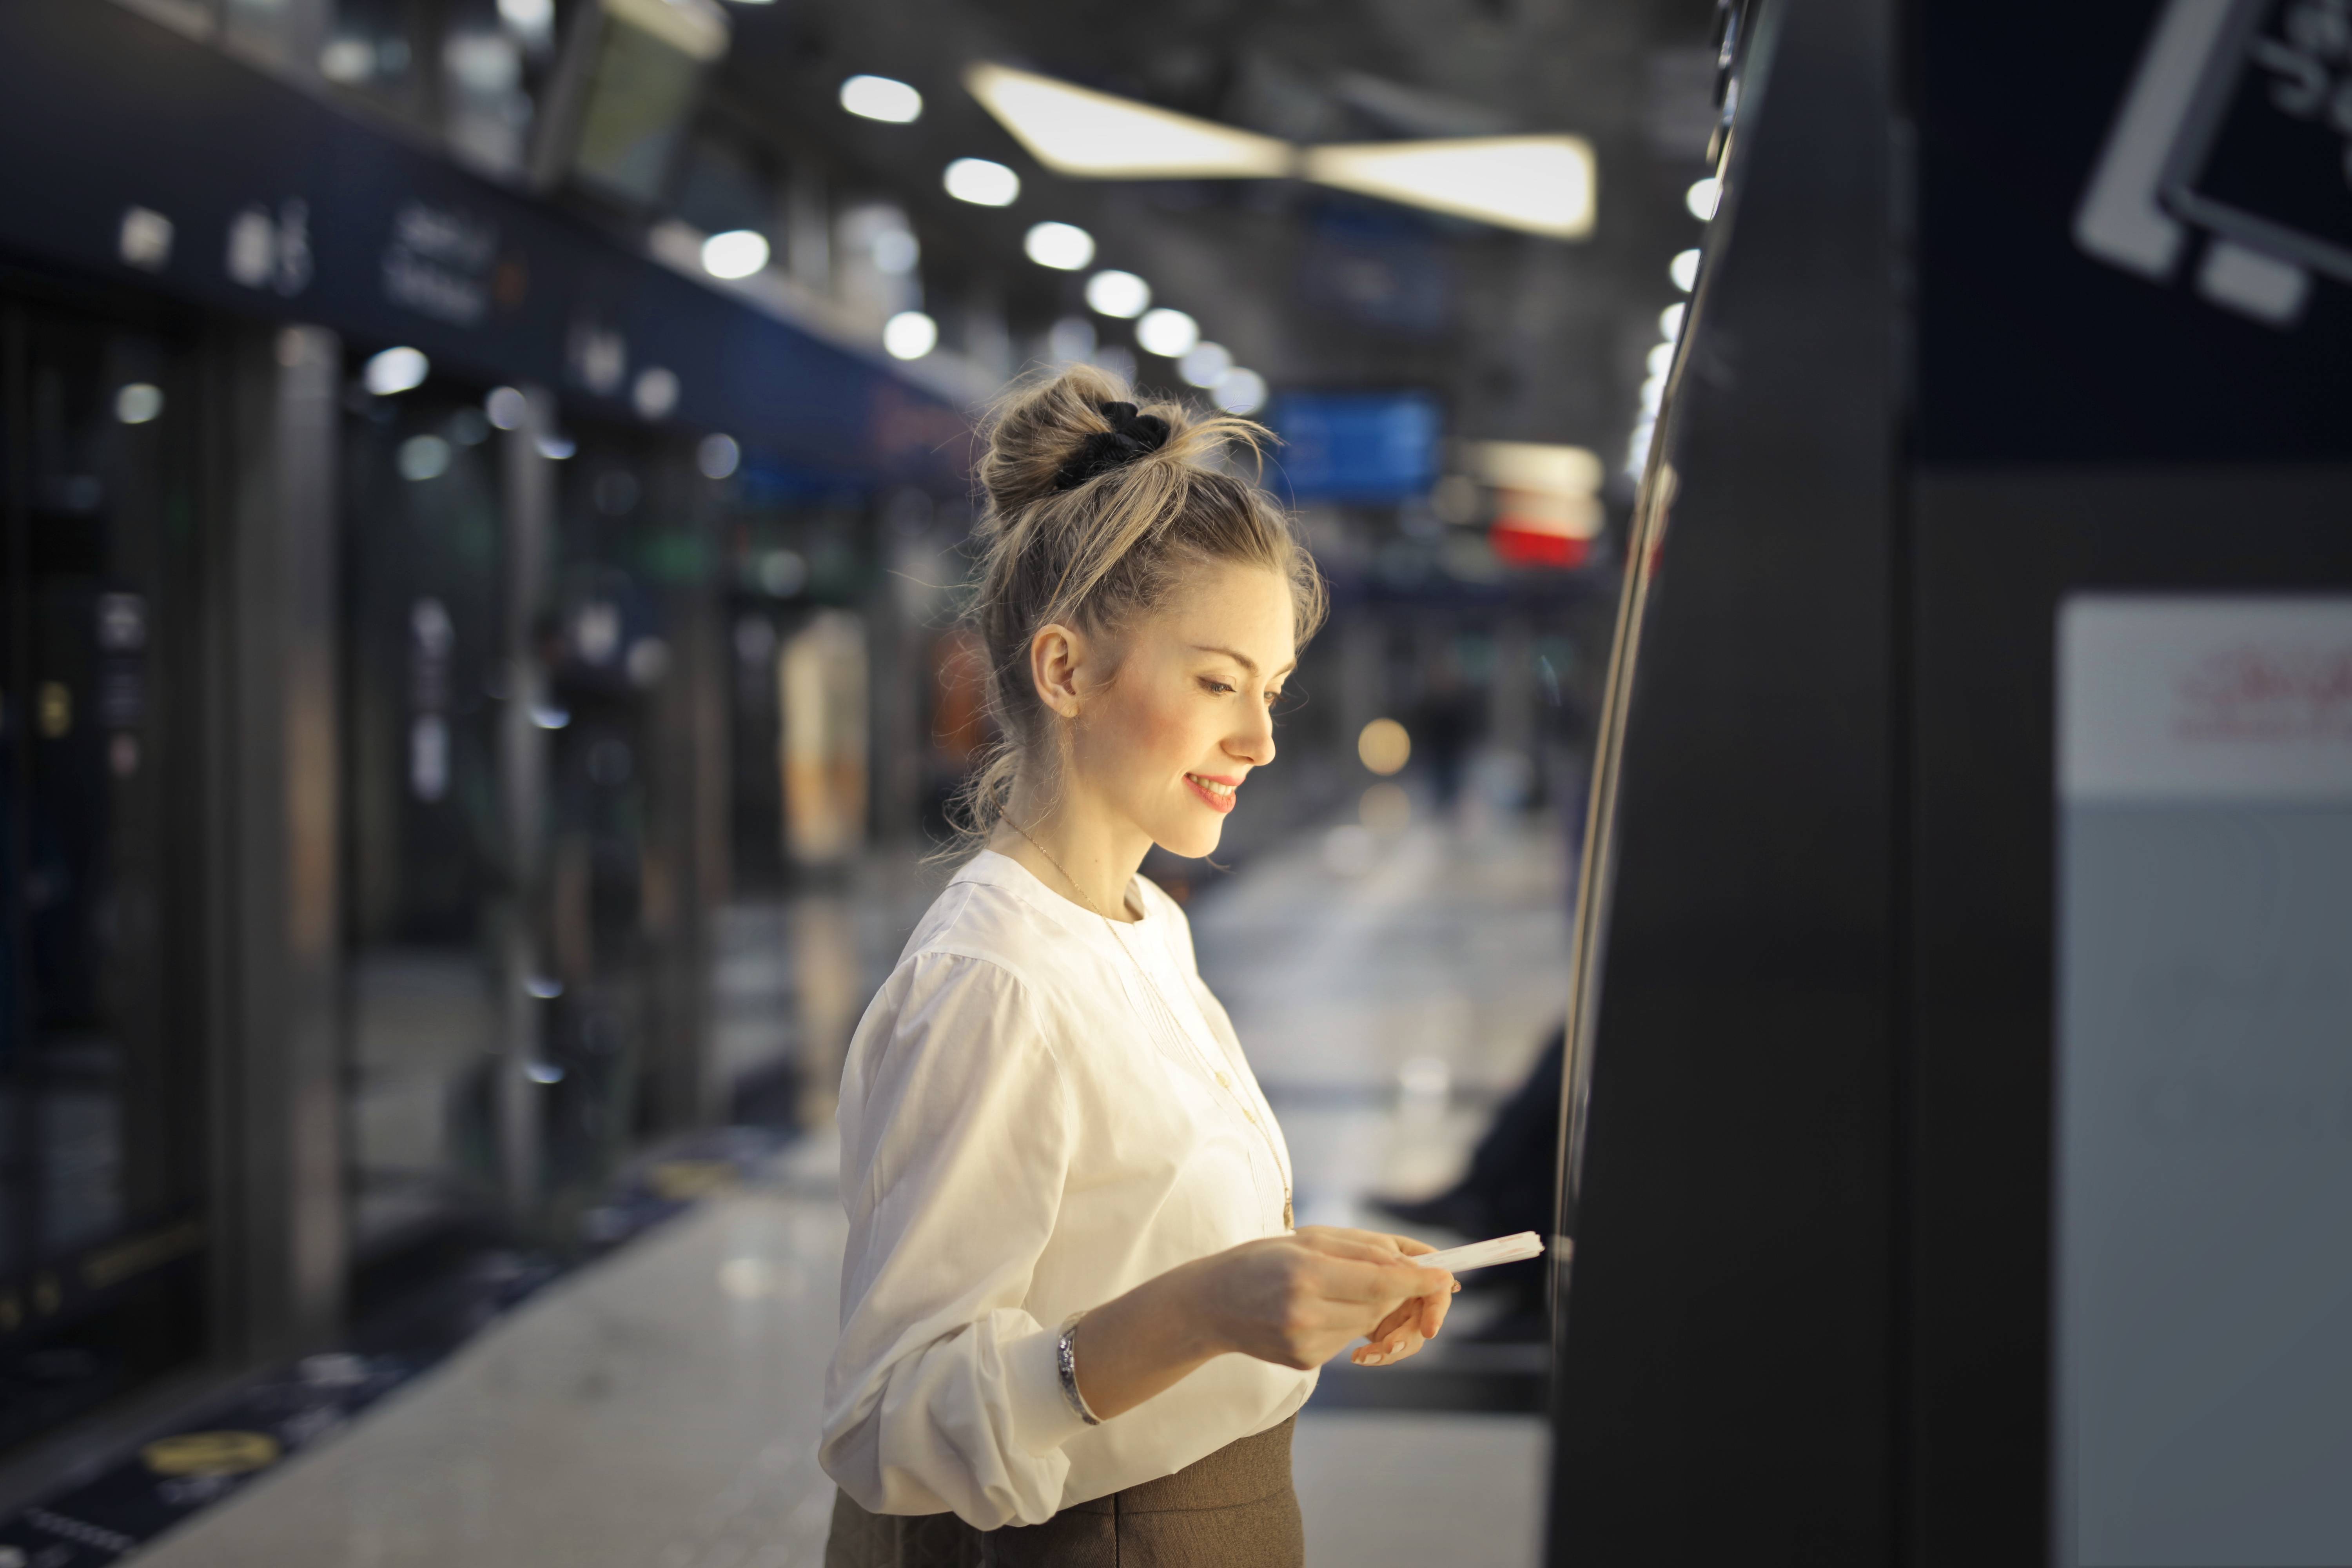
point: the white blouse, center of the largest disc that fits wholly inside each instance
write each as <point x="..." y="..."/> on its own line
<point x="1041" y="1110"/>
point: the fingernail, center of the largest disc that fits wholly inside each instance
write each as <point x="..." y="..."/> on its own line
<point x="1458" y="1287"/>
<point x="1373" y="1359"/>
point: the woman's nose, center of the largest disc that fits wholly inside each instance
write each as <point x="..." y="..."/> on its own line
<point x="1254" y="744"/>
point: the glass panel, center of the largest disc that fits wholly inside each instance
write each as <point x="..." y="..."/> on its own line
<point x="611" y="905"/>
<point x="423" y="629"/>
<point x="102" y="1066"/>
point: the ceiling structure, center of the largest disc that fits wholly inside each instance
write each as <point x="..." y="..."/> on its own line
<point x="1523" y="337"/>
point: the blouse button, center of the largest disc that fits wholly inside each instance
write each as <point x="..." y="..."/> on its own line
<point x="1224" y="1082"/>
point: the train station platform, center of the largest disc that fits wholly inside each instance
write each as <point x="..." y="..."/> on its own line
<point x="660" y="1406"/>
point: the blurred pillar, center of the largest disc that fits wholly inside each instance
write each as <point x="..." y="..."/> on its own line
<point x="692" y="769"/>
<point x="275" y="859"/>
<point x="528" y="478"/>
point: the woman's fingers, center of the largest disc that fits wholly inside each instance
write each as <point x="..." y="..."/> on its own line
<point x="1363" y="1246"/>
<point x="1386" y="1350"/>
<point x="1386" y="1284"/>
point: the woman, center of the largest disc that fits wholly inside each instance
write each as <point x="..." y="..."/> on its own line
<point x="1076" y="1323"/>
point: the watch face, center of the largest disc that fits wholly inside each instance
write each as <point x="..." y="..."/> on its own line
<point x="2266" y="156"/>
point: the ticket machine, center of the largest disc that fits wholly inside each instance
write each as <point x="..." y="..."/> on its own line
<point x="1959" y="1117"/>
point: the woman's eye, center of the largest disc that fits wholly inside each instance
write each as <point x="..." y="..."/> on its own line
<point x="1218" y="687"/>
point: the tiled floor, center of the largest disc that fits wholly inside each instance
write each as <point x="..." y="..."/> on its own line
<point x="659" y="1410"/>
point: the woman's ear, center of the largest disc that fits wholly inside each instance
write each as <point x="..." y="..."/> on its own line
<point x="1054" y="654"/>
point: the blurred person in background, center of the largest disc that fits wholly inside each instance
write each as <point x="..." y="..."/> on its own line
<point x="1077" y="1323"/>
<point x="1444" y="725"/>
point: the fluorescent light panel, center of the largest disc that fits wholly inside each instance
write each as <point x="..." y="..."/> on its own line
<point x="1535" y="466"/>
<point x="696" y="28"/>
<point x="1096" y="135"/>
<point x="1542" y="184"/>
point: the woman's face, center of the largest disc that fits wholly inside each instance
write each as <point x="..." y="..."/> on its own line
<point x="1167" y="741"/>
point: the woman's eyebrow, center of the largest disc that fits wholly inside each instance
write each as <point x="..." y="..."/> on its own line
<point x="1244" y="660"/>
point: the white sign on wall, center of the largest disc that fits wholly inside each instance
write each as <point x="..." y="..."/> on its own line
<point x="2203" y="1180"/>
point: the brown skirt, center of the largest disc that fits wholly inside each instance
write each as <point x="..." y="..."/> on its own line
<point x="1234" y="1509"/>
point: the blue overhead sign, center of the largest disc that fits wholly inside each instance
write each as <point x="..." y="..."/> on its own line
<point x="1365" y="447"/>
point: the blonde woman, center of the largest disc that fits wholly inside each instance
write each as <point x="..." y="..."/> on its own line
<point x="1077" y="1321"/>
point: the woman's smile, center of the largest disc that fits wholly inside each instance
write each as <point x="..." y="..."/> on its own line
<point x="1216" y="789"/>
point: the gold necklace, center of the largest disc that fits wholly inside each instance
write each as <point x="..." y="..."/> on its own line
<point x="1048" y="854"/>
<point x="1167" y="1014"/>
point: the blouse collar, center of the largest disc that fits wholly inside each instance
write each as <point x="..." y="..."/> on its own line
<point x="995" y="870"/>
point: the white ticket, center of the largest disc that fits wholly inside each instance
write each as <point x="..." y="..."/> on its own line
<point x="1485" y="1254"/>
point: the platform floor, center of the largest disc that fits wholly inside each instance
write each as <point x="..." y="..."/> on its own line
<point x="658" y="1409"/>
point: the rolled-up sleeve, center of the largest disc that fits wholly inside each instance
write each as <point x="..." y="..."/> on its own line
<point x="956" y="1129"/>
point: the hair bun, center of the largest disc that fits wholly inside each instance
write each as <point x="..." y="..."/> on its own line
<point x="1131" y="436"/>
<point x="1048" y="438"/>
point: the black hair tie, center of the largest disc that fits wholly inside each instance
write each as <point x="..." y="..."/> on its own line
<point x="1130" y="436"/>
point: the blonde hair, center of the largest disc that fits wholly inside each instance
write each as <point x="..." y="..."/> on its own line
<point x="1098" y="553"/>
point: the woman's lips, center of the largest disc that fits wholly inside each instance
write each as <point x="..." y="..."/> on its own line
<point x="1219" y="800"/>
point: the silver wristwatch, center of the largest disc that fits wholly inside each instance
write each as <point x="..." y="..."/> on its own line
<point x="1065" y="1361"/>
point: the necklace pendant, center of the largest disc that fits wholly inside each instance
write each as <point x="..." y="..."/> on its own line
<point x="1288" y="1222"/>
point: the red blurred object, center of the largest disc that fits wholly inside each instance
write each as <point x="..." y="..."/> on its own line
<point x="1516" y="544"/>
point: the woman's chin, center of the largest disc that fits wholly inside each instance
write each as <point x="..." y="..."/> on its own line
<point x="1193" y="841"/>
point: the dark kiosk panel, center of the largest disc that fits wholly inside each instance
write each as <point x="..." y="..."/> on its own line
<point x="1955" y="1144"/>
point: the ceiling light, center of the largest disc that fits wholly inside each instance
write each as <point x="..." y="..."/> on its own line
<point x="396" y="370"/>
<point x="1075" y="130"/>
<point x="422" y="458"/>
<point x="879" y="98"/>
<point x="1063" y="246"/>
<point x="1204" y="362"/>
<point x="1683" y="271"/>
<point x="1168" y="333"/>
<point x="529" y="16"/>
<point x="138" y="403"/>
<point x="1703" y="198"/>
<point x="1670" y="322"/>
<point x="910" y="334"/>
<point x="1535" y="467"/>
<point x="895" y="251"/>
<point x="506" y="406"/>
<point x="1119" y="294"/>
<point x="1240" y="391"/>
<point x="1542" y="184"/>
<point x="738" y="253"/>
<point x="982" y="182"/>
<point x="1662" y="358"/>
<point x="716" y="455"/>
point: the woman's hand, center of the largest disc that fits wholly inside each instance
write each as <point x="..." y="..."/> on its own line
<point x="1296" y="1300"/>
<point x="1413" y="1324"/>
